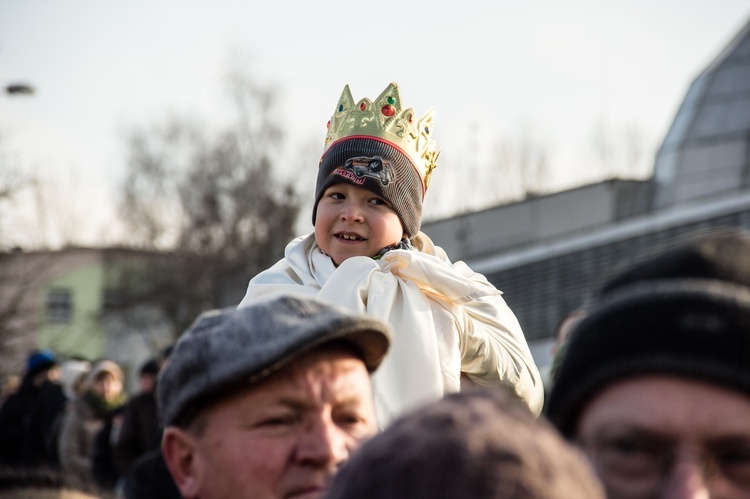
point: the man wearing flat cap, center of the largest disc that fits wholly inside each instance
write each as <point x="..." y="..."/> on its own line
<point x="267" y="401"/>
<point x="654" y="384"/>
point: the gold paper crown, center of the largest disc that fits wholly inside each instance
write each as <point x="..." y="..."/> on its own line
<point x="385" y="119"/>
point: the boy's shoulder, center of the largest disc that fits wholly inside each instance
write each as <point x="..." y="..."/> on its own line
<point x="422" y="243"/>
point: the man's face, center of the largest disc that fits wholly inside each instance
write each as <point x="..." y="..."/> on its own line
<point x="352" y="221"/>
<point x="665" y="437"/>
<point x="287" y="435"/>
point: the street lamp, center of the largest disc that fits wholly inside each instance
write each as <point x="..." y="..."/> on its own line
<point x="19" y="89"/>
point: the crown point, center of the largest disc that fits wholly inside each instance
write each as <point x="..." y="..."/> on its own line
<point x="393" y="124"/>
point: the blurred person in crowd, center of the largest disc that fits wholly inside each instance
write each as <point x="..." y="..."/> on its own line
<point x="103" y="466"/>
<point x="27" y="417"/>
<point x="147" y="475"/>
<point x="654" y="384"/>
<point x="45" y="483"/>
<point x="564" y="327"/>
<point x="470" y="445"/>
<point x="149" y="478"/>
<point x="141" y="430"/>
<point x="267" y="401"/>
<point x="557" y="350"/>
<point x="73" y="373"/>
<point x="87" y="415"/>
<point x="147" y="376"/>
<point x="11" y="384"/>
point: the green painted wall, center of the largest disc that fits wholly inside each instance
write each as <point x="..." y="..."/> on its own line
<point x="82" y="335"/>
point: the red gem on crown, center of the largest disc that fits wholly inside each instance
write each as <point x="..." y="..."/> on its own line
<point x="388" y="110"/>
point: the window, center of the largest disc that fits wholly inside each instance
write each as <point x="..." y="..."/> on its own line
<point x="59" y="305"/>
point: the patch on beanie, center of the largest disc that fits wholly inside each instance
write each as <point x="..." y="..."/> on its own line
<point x="361" y="167"/>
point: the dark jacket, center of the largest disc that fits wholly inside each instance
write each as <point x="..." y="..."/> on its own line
<point x="149" y="478"/>
<point x="103" y="466"/>
<point x="140" y="431"/>
<point x="27" y="425"/>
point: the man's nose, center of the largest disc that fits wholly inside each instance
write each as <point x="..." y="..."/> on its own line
<point x="688" y="479"/>
<point x="323" y="444"/>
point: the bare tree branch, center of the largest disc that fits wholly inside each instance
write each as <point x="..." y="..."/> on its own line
<point x="208" y="205"/>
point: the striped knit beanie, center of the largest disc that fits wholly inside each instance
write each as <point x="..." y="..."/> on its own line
<point x="378" y="166"/>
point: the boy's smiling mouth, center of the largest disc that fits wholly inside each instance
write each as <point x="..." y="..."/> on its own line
<point x="350" y="237"/>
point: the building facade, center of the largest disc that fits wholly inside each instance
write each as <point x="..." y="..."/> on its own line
<point x="63" y="301"/>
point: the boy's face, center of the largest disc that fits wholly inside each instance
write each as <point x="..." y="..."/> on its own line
<point x="352" y="221"/>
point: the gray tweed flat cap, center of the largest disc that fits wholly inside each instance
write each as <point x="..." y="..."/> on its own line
<point x="226" y="349"/>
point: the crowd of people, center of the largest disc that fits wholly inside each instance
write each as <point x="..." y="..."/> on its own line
<point x="365" y="364"/>
<point x="72" y="416"/>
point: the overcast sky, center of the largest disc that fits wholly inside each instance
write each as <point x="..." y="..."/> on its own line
<point x="551" y="70"/>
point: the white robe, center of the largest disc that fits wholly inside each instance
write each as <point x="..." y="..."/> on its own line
<point x="446" y="319"/>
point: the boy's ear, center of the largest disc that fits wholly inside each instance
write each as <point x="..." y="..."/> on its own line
<point x="179" y="450"/>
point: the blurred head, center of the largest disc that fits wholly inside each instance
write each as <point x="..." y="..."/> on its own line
<point x="41" y="365"/>
<point x="472" y="445"/>
<point x="147" y="376"/>
<point x="164" y="355"/>
<point x="650" y="376"/>
<point x="73" y="374"/>
<point x="10" y="386"/>
<point x="564" y="328"/>
<point x="105" y="380"/>
<point x="268" y="400"/>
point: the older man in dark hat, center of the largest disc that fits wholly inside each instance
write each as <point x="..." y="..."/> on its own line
<point x="269" y="400"/>
<point x="655" y="381"/>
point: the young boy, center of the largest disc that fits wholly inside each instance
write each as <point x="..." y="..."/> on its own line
<point x="368" y="254"/>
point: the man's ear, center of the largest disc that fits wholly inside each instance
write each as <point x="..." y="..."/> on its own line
<point x="178" y="448"/>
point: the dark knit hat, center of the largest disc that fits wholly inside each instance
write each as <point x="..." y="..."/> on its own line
<point x="151" y="366"/>
<point x="39" y="361"/>
<point x="232" y="348"/>
<point x="685" y="312"/>
<point x="378" y="166"/>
